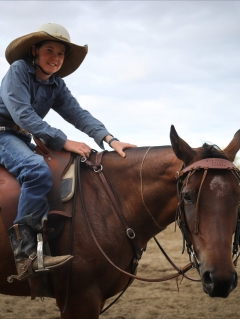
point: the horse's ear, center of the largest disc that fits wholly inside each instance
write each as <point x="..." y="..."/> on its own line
<point x="182" y="150"/>
<point x="233" y="147"/>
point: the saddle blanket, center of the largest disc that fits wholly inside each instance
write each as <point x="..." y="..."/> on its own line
<point x="68" y="184"/>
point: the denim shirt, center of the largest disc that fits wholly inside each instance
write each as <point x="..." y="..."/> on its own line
<point x="25" y="101"/>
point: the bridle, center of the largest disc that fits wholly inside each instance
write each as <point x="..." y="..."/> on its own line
<point x="183" y="177"/>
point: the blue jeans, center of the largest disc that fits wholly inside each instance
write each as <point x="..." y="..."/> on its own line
<point x="18" y="156"/>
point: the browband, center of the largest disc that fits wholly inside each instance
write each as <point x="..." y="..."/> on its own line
<point x="212" y="163"/>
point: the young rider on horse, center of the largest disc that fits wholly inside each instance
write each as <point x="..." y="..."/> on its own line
<point x="31" y="87"/>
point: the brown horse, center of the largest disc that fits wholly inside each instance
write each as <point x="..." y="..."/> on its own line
<point x="145" y="189"/>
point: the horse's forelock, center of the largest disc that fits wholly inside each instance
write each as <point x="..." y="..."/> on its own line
<point x="211" y="151"/>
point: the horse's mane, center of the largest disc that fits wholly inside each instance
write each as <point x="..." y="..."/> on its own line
<point x="211" y="151"/>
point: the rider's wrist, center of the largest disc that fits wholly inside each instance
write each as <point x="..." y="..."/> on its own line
<point x="111" y="140"/>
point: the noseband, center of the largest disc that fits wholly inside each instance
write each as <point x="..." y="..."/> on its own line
<point x="182" y="181"/>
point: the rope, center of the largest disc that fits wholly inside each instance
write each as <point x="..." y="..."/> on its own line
<point x="141" y="179"/>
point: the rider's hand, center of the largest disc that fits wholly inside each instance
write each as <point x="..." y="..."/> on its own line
<point x="118" y="146"/>
<point x="77" y="147"/>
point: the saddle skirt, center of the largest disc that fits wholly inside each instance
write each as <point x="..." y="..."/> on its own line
<point x="61" y="164"/>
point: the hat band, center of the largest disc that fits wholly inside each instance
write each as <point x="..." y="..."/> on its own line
<point x="60" y="37"/>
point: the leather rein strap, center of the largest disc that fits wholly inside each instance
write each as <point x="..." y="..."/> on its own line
<point x="98" y="168"/>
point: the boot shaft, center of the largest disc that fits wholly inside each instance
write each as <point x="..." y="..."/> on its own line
<point x="23" y="241"/>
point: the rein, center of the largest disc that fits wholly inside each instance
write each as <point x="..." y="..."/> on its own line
<point x="182" y="181"/>
<point x="98" y="168"/>
<point x="141" y="179"/>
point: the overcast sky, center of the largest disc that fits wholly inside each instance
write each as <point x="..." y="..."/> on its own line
<point x="150" y="64"/>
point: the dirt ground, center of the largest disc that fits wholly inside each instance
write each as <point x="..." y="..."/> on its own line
<point x="144" y="300"/>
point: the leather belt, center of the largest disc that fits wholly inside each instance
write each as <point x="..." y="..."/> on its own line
<point x="14" y="127"/>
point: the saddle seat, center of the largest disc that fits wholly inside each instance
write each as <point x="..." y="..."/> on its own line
<point x="61" y="164"/>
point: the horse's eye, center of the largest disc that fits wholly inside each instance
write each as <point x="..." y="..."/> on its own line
<point x="187" y="197"/>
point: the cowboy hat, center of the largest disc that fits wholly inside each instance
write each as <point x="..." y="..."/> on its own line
<point x="20" y="47"/>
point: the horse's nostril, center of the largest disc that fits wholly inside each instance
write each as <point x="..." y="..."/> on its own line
<point x="219" y="286"/>
<point x="235" y="281"/>
<point x="207" y="280"/>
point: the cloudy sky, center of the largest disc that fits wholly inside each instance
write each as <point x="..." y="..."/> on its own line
<point x="150" y="64"/>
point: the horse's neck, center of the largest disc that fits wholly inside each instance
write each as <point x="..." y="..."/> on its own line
<point x="145" y="185"/>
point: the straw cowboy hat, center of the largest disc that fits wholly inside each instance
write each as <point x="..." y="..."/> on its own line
<point x="20" y="47"/>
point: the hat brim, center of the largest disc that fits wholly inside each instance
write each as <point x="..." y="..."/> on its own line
<point x="20" y="48"/>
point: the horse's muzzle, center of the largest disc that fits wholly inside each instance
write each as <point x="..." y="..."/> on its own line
<point x="217" y="285"/>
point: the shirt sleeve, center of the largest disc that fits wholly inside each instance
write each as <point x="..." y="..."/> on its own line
<point x="16" y="96"/>
<point x="68" y="107"/>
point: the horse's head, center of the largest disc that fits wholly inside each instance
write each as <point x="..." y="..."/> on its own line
<point x="209" y="199"/>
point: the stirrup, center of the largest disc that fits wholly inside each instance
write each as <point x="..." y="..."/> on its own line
<point x="40" y="254"/>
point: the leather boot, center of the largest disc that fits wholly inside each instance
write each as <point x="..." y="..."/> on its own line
<point x="24" y="245"/>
